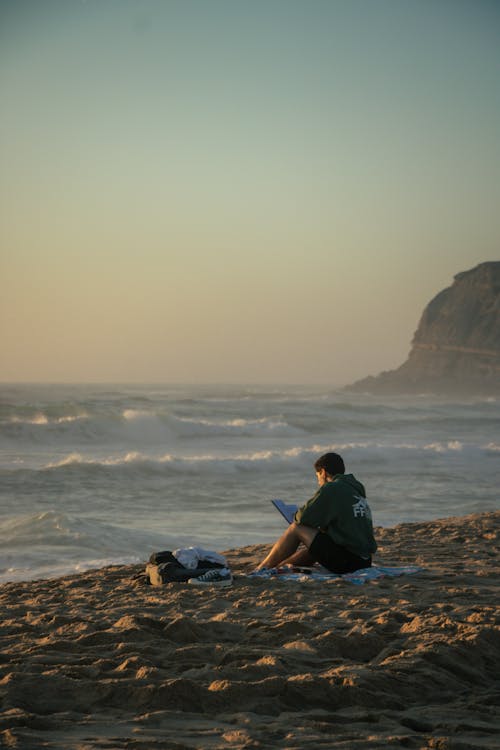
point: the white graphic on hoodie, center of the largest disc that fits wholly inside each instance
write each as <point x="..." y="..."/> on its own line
<point x="361" y="508"/>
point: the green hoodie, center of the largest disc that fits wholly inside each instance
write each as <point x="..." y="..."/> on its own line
<point x="340" y="509"/>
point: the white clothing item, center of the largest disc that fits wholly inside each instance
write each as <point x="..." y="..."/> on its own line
<point x="191" y="556"/>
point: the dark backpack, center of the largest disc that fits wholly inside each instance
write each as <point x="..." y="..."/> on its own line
<point x="163" y="567"/>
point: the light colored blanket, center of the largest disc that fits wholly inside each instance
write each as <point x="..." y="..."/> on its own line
<point x="321" y="574"/>
<point x="190" y="557"/>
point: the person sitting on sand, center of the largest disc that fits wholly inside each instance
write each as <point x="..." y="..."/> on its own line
<point x="335" y="525"/>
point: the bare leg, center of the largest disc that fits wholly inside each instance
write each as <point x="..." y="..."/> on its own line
<point x="301" y="557"/>
<point x="288" y="544"/>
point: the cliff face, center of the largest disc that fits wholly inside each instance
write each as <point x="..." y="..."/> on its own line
<point x="456" y="347"/>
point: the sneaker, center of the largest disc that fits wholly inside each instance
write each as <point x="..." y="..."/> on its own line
<point x="217" y="577"/>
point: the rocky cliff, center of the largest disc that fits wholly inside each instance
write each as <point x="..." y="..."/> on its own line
<point x="456" y="347"/>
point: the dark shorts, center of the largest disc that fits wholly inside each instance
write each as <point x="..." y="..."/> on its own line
<point x="337" y="559"/>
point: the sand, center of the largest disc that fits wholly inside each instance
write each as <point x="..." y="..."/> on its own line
<point x="98" y="660"/>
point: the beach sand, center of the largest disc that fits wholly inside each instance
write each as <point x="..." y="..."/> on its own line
<point x="98" y="660"/>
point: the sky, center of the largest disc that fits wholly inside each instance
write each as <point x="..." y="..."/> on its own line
<point x="239" y="191"/>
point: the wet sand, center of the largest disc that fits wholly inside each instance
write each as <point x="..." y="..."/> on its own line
<point x="99" y="660"/>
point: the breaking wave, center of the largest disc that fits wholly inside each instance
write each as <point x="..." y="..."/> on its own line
<point x="57" y="543"/>
<point x="138" y="425"/>
<point x="293" y="458"/>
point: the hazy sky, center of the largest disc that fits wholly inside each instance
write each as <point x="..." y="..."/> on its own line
<point x="239" y="190"/>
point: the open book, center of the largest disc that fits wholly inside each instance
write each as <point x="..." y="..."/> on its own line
<point x="286" y="509"/>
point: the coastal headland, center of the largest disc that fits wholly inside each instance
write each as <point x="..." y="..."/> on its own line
<point x="456" y="347"/>
<point x="100" y="660"/>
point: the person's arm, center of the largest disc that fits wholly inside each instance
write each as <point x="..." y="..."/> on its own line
<point x="317" y="512"/>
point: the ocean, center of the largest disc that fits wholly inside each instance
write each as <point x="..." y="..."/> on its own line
<point x="95" y="475"/>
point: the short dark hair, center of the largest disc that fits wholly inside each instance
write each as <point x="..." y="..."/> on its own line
<point x="331" y="462"/>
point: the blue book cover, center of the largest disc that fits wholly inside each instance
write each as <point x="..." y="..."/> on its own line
<point x="286" y="509"/>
